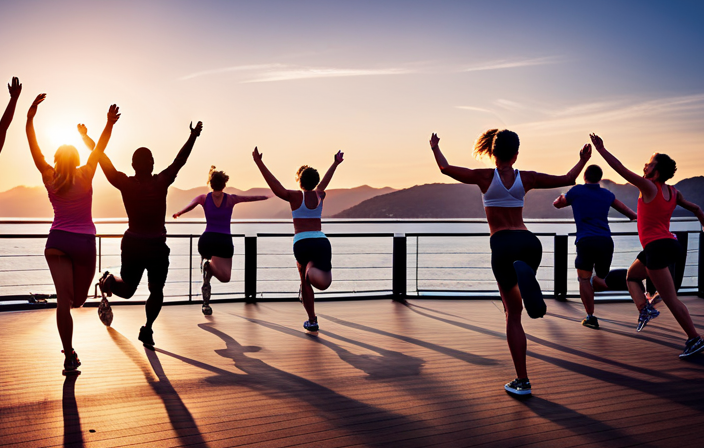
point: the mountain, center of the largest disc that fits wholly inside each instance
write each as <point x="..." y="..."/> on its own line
<point x="445" y="201"/>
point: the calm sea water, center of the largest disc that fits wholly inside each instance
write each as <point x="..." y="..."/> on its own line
<point x="361" y="264"/>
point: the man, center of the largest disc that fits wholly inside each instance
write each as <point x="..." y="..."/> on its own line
<point x="595" y="248"/>
<point x="144" y="242"/>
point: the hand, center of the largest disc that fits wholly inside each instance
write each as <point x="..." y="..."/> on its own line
<point x="176" y="215"/>
<point x="196" y="131"/>
<point x="15" y="88"/>
<point x="82" y="129"/>
<point x="33" y="108"/>
<point x="434" y="140"/>
<point x="339" y="157"/>
<point x="256" y="155"/>
<point x="113" y="114"/>
<point x="598" y="142"/>
<point x="586" y="152"/>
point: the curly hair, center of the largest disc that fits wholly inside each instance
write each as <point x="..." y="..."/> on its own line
<point x="217" y="179"/>
<point x="665" y="166"/>
<point x="593" y="173"/>
<point x="501" y="145"/>
<point x="307" y="177"/>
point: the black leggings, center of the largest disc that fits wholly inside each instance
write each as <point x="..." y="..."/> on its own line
<point x="508" y="246"/>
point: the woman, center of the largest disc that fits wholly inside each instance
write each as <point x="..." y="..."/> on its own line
<point x="215" y="244"/>
<point x="70" y="248"/>
<point x="310" y="245"/>
<point x="515" y="252"/>
<point x="656" y="203"/>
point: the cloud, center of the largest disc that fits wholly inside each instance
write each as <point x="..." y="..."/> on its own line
<point x="236" y="68"/>
<point x="502" y="64"/>
<point x="297" y="73"/>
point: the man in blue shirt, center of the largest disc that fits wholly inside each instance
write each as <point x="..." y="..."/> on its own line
<point x="595" y="248"/>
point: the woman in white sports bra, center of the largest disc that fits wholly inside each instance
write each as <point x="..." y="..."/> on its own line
<point x="310" y="245"/>
<point x="515" y="251"/>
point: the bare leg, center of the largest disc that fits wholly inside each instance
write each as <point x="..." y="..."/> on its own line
<point x="586" y="291"/>
<point x="221" y="268"/>
<point x="320" y="279"/>
<point x="61" y="268"/>
<point x="308" y="296"/>
<point x="516" y="337"/>
<point x="599" y="284"/>
<point x="662" y="279"/>
<point x="636" y="274"/>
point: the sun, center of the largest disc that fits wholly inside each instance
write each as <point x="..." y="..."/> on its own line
<point x="64" y="135"/>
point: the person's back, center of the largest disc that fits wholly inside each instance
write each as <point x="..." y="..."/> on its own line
<point x="218" y="218"/>
<point x="590" y="206"/>
<point x="145" y="204"/>
<point x="72" y="206"/>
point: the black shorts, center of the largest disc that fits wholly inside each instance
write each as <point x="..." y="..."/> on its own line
<point x="595" y="252"/>
<point x="79" y="247"/>
<point x="213" y="244"/>
<point x="139" y="254"/>
<point x="660" y="254"/>
<point x="317" y="250"/>
<point x="508" y="246"/>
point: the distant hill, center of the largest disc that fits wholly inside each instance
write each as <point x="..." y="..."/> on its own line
<point x="457" y="200"/>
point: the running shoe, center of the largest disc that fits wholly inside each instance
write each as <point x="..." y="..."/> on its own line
<point x="692" y="346"/>
<point x="71" y="364"/>
<point x="519" y="386"/>
<point x="591" y="322"/>
<point x="646" y="315"/>
<point x="205" y="289"/>
<point x="311" y="326"/>
<point x="145" y="335"/>
<point x="655" y="299"/>
<point x="530" y="290"/>
<point x="103" y="284"/>
<point x="105" y="312"/>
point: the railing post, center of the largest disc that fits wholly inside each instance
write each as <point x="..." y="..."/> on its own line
<point x="560" y="267"/>
<point x="250" y="269"/>
<point x="190" y="268"/>
<point x="700" y="267"/>
<point x="399" y="267"/>
<point x="678" y="275"/>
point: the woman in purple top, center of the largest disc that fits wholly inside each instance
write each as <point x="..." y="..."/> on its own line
<point x="215" y="244"/>
<point x="70" y="248"/>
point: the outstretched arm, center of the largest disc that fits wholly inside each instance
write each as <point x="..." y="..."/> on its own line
<point x="200" y="199"/>
<point x="272" y="181"/>
<point x="37" y="155"/>
<point x="339" y="157"/>
<point x="113" y="116"/>
<point x="182" y="156"/>
<point x="532" y="179"/>
<point x="624" y="210"/>
<point x="236" y="199"/>
<point x="646" y="187"/>
<point x="15" y="89"/>
<point x="560" y="202"/>
<point x="691" y="206"/>
<point x="464" y="175"/>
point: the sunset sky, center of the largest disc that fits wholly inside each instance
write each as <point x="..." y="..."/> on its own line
<point x="303" y="79"/>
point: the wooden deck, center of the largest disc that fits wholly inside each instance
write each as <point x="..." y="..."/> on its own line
<point x="378" y="374"/>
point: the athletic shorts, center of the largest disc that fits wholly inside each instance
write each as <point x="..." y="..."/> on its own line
<point x="595" y="252"/>
<point x="213" y="244"/>
<point x="79" y="247"/>
<point x="139" y="254"/>
<point x="660" y="254"/>
<point x="508" y="246"/>
<point x="317" y="250"/>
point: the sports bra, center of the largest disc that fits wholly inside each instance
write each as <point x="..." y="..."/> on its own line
<point x="497" y="195"/>
<point x="310" y="213"/>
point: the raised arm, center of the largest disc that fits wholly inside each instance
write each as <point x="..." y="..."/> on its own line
<point x="691" y="206"/>
<point x="338" y="159"/>
<point x="532" y="179"/>
<point x="198" y="200"/>
<point x="624" y="210"/>
<point x="272" y="181"/>
<point x="113" y="116"/>
<point x="464" y="175"/>
<point x="182" y="156"/>
<point x="15" y="89"/>
<point x="83" y="130"/>
<point x="43" y="167"/>
<point x="116" y="178"/>
<point x="646" y="187"/>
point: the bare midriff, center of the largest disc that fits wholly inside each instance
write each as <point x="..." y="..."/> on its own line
<point x="504" y="218"/>
<point x="306" y="225"/>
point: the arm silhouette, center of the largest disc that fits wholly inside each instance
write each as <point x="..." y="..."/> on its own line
<point x="339" y="158"/>
<point x="647" y="188"/>
<point x="464" y="175"/>
<point x="98" y="150"/>
<point x="185" y="151"/>
<point x="44" y="168"/>
<point x="624" y="210"/>
<point x="691" y="206"/>
<point x="532" y="179"/>
<point x="15" y="89"/>
<point x="113" y="176"/>
<point x="236" y="199"/>
<point x="198" y="200"/>
<point x="272" y="181"/>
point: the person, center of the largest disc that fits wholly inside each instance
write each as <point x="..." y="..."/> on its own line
<point x="656" y="203"/>
<point x="70" y="247"/>
<point x="144" y="243"/>
<point x="15" y="89"/>
<point x="310" y="245"/>
<point x="215" y="244"/>
<point x="515" y="251"/>
<point x="595" y="248"/>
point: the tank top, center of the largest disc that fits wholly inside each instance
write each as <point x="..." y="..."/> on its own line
<point x="309" y="213"/>
<point x="654" y="216"/>
<point x="73" y="206"/>
<point x="217" y="218"/>
<point x="497" y="195"/>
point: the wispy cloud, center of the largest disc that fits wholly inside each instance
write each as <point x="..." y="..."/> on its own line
<point x="236" y="68"/>
<point x="518" y="63"/>
<point x="296" y="73"/>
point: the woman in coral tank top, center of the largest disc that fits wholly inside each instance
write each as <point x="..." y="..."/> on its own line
<point x="656" y="203"/>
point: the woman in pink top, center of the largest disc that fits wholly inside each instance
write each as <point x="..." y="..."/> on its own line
<point x="70" y="248"/>
<point x="656" y="203"/>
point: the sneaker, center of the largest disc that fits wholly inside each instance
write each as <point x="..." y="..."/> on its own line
<point x="206" y="289"/>
<point x="103" y="284"/>
<point x="591" y="322"/>
<point x="300" y="293"/>
<point x="105" y="312"/>
<point x="692" y="346"/>
<point x="71" y="364"/>
<point x="655" y="299"/>
<point x="145" y="335"/>
<point x="530" y="290"/>
<point x="311" y="326"/>
<point x="646" y="315"/>
<point x="519" y="386"/>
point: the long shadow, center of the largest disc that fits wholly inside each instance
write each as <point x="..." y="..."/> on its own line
<point x="356" y="417"/>
<point x="390" y="364"/>
<point x="470" y="327"/>
<point x="458" y="354"/>
<point x="73" y="435"/>
<point x="180" y="417"/>
<point x="414" y="305"/>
